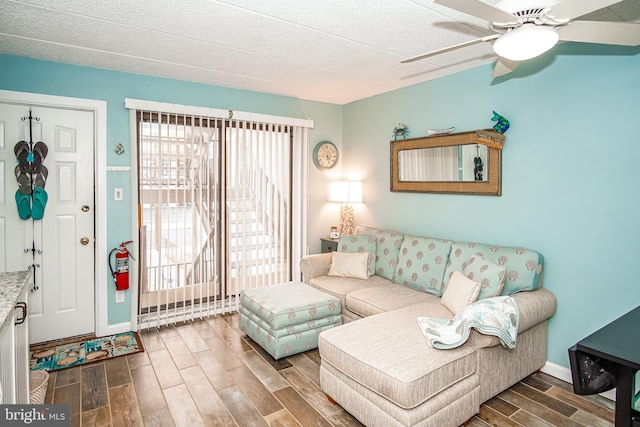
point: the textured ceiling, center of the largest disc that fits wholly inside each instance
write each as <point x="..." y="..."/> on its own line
<point x="335" y="51"/>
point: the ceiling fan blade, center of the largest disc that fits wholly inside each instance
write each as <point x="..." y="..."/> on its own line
<point x="618" y="33"/>
<point x="479" y="9"/>
<point x="570" y="9"/>
<point x="504" y="66"/>
<point x="450" y="48"/>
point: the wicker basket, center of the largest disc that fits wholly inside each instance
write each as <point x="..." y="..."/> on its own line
<point x="38" y="381"/>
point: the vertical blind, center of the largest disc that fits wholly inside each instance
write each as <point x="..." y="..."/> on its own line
<point x="258" y="205"/>
<point x="216" y="207"/>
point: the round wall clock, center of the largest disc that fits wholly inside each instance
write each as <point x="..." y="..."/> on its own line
<point x="325" y="155"/>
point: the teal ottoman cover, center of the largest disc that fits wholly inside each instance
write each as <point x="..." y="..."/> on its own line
<point x="286" y="319"/>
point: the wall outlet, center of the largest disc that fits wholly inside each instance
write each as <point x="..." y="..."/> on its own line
<point x="118" y="194"/>
<point x="119" y="296"/>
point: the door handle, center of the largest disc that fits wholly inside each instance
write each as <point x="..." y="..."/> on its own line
<point x="85" y="208"/>
<point x="84" y="241"/>
<point x="22" y="306"/>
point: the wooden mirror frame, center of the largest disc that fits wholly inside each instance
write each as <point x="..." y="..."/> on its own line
<point x="491" y="187"/>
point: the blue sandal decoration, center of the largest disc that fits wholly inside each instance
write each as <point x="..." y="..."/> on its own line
<point x="39" y="202"/>
<point x="23" y="201"/>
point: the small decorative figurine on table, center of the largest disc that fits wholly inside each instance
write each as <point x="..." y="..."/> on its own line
<point x="333" y="234"/>
<point x="502" y="123"/>
<point x="400" y="130"/>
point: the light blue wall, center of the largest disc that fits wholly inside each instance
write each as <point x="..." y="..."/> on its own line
<point x="570" y="172"/>
<point x="29" y="75"/>
<point x="570" y="177"/>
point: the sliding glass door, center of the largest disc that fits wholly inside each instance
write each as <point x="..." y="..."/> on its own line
<point x="215" y="212"/>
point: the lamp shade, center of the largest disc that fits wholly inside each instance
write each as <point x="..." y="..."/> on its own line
<point x="346" y="192"/>
<point x="526" y="42"/>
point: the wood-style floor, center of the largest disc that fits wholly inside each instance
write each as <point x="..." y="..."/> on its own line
<point x="208" y="373"/>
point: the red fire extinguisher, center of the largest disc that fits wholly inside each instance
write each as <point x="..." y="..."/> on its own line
<point x="121" y="272"/>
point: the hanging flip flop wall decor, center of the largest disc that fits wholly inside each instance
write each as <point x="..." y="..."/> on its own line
<point x="31" y="175"/>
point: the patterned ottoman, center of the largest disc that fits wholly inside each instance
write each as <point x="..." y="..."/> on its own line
<point x="286" y="319"/>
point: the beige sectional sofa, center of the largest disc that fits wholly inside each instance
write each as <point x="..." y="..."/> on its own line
<point x="378" y="365"/>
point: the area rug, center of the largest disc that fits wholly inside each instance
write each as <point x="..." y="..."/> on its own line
<point x="85" y="351"/>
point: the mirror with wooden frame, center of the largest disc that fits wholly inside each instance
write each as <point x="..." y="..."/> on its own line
<point x="450" y="163"/>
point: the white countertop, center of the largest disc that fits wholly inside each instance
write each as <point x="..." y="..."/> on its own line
<point x="11" y="284"/>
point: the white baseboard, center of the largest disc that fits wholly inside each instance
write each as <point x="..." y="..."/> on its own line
<point x="557" y="371"/>
<point x="564" y="374"/>
<point x="117" y="328"/>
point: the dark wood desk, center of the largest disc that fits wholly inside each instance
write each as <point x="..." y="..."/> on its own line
<point x="619" y="343"/>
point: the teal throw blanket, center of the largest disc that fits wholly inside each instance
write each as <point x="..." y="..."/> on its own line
<point x="497" y="316"/>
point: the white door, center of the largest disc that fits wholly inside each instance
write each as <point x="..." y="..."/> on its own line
<point x="61" y="245"/>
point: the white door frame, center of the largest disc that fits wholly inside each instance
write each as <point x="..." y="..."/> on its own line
<point x="99" y="109"/>
<point x="135" y="220"/>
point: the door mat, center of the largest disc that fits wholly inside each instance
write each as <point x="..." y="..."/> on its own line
<point x="85" y="351"/>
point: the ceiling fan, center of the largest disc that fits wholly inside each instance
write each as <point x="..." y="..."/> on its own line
<point x="525" y="32"/>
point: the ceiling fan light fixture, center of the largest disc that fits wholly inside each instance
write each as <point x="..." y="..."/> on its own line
<point x="526" y="42"/>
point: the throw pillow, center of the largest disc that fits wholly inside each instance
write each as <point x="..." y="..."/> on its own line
<point x="387" y="248"/>
<point x="490" y="275"/>
<point x="354" y="265"/>
<point x="421" y="263"/>
<point x="358" y="244"/>
<point x="461" y="292"/>
<point x="524" y="266"/>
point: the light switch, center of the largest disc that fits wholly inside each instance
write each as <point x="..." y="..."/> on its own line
<point x="118" y="194"/>
<point x="119" y="296"/>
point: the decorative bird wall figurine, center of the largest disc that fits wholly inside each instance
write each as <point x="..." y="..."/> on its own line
<point x="502" y="123"/>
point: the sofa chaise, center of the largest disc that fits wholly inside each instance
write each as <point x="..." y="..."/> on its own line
<point x="378" y="365"/>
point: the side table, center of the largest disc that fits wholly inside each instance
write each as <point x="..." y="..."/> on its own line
<point x="329" y="245"/>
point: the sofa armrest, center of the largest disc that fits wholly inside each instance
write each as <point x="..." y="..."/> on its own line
<point x="314" y="266"/>
<point x="535" y="307"/>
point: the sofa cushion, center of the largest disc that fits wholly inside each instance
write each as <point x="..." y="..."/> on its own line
<point x="408" y="375"/>
<point x="489" y="274"/>
<point x="360" y="243"/>
<point x="461" y="292"/>
<point x="421" y="263"/>
<point x="340" y="286"/>
<point x="344" y="264"/>
<point x="379" y="299"/>
<point x="523" y="266"/>
<point x="387" y="247"/>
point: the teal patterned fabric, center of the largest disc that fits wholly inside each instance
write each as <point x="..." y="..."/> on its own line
<point x="282" y="344"/>
<point x="523" y="266"/>
<point x="286" y="319"/>
<point x="387" y="249"/>
<point x="490" y="275"/>
<point x="292" y="329"/>
<point x="421" y="263"/>
<point x="494" y="316"/>
<point x="360" y="243"/>
<point x="289" y="304"/>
